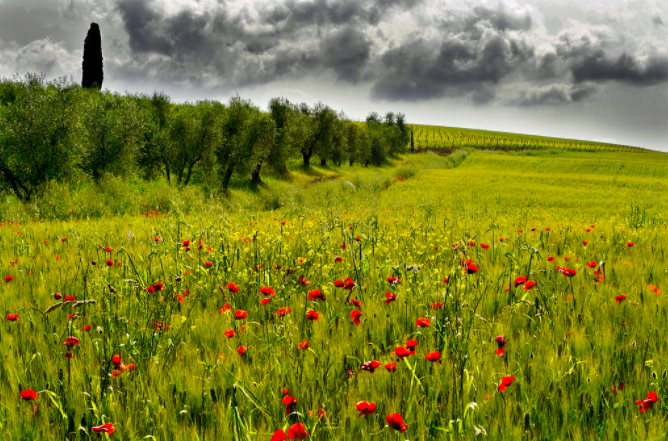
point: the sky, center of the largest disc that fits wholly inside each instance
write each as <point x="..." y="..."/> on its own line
<point x="594" y="70"/>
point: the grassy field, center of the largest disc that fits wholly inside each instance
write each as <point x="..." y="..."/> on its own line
<point x="177" y="337"/>
<point x="440" y="137"/>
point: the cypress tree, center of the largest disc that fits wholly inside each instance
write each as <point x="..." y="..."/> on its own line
<point x="92" y="58"/>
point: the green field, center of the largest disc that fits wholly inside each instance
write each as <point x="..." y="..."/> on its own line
<point x="440" y="137"/>
<point x="580" y="359"/>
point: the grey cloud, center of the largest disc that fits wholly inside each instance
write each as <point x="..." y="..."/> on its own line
<point x="626" y="68"/>
<point x="656" y="21"/>
<point x="347" y="52"/>
<point x="554" y="94"/>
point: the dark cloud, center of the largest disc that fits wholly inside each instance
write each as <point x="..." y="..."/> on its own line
<point x="347" y="52"/>
<point x="626" y="68"/>
<point x="554" y="95"/>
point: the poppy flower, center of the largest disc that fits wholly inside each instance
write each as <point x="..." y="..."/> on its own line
<point x="230" y="333"/>
<point x="289" y="402"/>
<point x="267" y="291"/>
<point x="28" y="395"/>
<point x="355" y="303"/>
<point x="370" y="365"/>
<point x="242" y="350"/>
<point x="471" y="268"/>
<point x="446" y="280"/>
<point x="72" y="316"/>
<point x="279" y="435"/>
<point x="224" y="309"/>
<point x="396" y="422"/>
<point x="437" y="305"/>
<point x="110" y="263"/>
<point x="648" y="402"/>
<point x="653" y="288"/>
<point x="185" y="243"/>
<point x="338" y="259"/>
<point x="620" y="298"/>
<point x="304" y="282"/>
<point x="208" y="264"/>
<point x="520" y="281"/>
<point x="315" y="295"/>
<point x="484" y="246"/>
<point x="472" y="243"/>
<point x="157" y="239"/>
<point x="87" y="328"/>
<point x="105" y="428"/>
<point x="282" y="312"/>
<point x="548" y="229"/>
<point x="240" y="314"/>
<point x="411" y="345"/>
<point x="312" y="315"/>
<point x="339" y="283"/>
<point x="355" y="315"/>
<point x="433" y="356"/>
<point x="71" y="341"/>
<point x="584" y="242"/>
<point x="391" y="367"/>
<point x="69" y="299"/>
<point x="422" y="322"/>
<point x="159" y="326"/>
<point x="108" y="249"/>
<point x="505" y="382"/>
<point x="342" y="246"/>
<point x="8" y="279"/>
<point x="233" y="288"/>
<point x="365" y="408"/>
<point x="393" y="280"/>
<point x="265" y="301"/>
<point x="349" y="284"/>
<point x="629" y="244"/>
<point x="501" y="343"/>
<point x="550" y="258"/>
<point x="567" y="259"/>
<point x="402" y="352"/>
<point x="297" y="431"/>
<point x="13" y="317"/>
<point x="57" y="296"/>
<point x="303" y="345"/>
<point x="592" y="264"/>
<point x="391" y="297"/>
<point x="530" y="284"/>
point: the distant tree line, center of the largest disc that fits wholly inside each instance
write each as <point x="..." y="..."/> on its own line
<point x="57" y="129"/>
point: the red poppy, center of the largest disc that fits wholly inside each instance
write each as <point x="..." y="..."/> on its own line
<point x="57" y="296"/>
<point x="349" y="284"/>
<point x="297" y="431"/>
<point x="411" y="345"/>
<point x="338" y="259"/>
<point x="530" y="284"/>
<point x="569" y="272"/>
<point x="584" y="242"/>
<point x="433" y="356"/>
<point x="501" y="343"/>
<point x="339" y="283"/>
<point x="422" y="322"/>
<point x="446" y="280"/>
<point x="157" y="239"/>
<point x="303" y="345"/>
<point x="105" y="428"/>
<point x="72" y="316"/>
<point x="437" y="305"/>
<point x="591" y="264"/>
<point x="396" y="422"/>
<point x="87" y="328"/>
<point x="240" y="314"/>
<point x="654" y="288"/>
<point x="391" y="297"/>
<point x="548" y="229"/>
<point x="316" y="294"/>
<point x="471" y="268"/>
<point x="159" y="326"/>
<point x="472" y="243"/>
<point x="28" y="395"/>
<point x="279" y="435"/>
<point x="208" y="264"/>
<point x="110" y="263"/>
<point x="370" y="365"/>
<point x="230" y="333"/>
<point x="71" y="341"/>
<point x="282" y="312"/>
<point x="8" y="279"/>
<point x="484" y="246"/>
<point x="505" y="382"/>
<point x="365" y="408"/>
<point x="402" y="352"/>
<point x="225" y="309"/>
<point x="393" y="280"/>
<point x="185" y="243"/>
<point x="312" y="315"/>
<point x="629" y="244"/>
<point x="267" y="291"/>
<point x="620" y="298"/>
<point x="13" y="317"/>
<point x="342" y="246"/>
<point x="289" y="402"/>
<point x="355" y="315"/>
<point x="63" y="239"/>
<point x="520" y="281"/>
<point x="648" y="402"/>
<point x="265" y="301"/>
<point x="391" y="367"/>
<point x="550" y="258"/>
<point x="233" y="288"/>
<point x="108" y="249"/>
<point x="355" y="303"/>
<point x="242" y="350"/>
<point x="304" y="282"/>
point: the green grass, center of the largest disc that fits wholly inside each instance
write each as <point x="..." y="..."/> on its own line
<point x="441" y="137"/>
<point x="568" y="341"/>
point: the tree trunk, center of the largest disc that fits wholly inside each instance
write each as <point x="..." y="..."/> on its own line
<point x="307" y="159"/>
<point x="323" y="162"/>
<point x="169" y="178"/>
<point x="255" y="176"/>
<point x="351" y="162"/>
<point x="412" y="145"/>
<point x="228" y="175"/>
